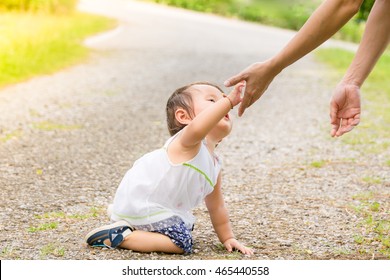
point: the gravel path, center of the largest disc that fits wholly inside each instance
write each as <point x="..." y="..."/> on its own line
<point x="67" y="139"/>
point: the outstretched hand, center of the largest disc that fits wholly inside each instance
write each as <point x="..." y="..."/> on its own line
<point x="258" y="76"/>
<point x="344" y="109"/>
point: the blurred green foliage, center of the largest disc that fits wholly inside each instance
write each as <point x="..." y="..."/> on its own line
<point x="47" y="6"/>
<point x="32" y="44"/>
<point x="291" y="14"/>
<point x="365" y="10"/>
<point x="283" y="13"/>
<point x="287" y="14"/>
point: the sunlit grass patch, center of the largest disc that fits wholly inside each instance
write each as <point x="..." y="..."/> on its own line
<point x="51" y="220"/>
<point x="373" y="210"/>
<point x="364" y="196"/>
<point x="318" y="164"/>
<point x="32" y="44"/>
<point x="50" y="215"/>
<point x="359" y="239"/>
<point x="372" y="180"/>
<point x="93" y="212"/>
<point x="5" y="137"/>
<point x="42" y="227"/>
<point x="8" y="252"/>
<point x="52" y="249"/>
<point x="45" y="6"/>
<point x="342" y="251"/>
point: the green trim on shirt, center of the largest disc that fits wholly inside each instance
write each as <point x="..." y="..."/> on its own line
<point x="201" y="172"/>
<point x="140" y="217"/>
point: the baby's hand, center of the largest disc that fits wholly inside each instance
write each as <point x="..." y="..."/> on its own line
<point x="235" y="94"/>
<point x="232" y="243"/>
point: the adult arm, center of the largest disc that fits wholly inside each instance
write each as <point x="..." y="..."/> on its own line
<point x="345" y="103"/>
<point x="326" y="20"/>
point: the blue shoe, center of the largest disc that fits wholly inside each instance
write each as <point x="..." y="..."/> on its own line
<point x="110" y="236"/>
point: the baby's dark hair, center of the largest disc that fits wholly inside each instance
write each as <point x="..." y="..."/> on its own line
<point x="181" y="98"/>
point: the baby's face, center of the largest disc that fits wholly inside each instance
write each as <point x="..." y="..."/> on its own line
<point x="204" y="96"/>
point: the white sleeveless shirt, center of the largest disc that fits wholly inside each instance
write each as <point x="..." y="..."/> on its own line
<point x="155" y="189"/>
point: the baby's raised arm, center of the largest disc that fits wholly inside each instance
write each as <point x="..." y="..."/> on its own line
<point x="204" y="122"/>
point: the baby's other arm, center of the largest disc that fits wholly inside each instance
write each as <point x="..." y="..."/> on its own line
<point x="220" y="219"/>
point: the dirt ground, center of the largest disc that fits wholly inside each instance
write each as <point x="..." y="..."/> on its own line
<point x="292" y="191"/>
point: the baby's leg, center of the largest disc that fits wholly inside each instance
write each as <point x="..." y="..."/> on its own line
<point x="146" y="242"/>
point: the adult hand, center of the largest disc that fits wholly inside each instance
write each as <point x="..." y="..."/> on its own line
<point x="344" y="109"/>
<point x="257" y="76"/>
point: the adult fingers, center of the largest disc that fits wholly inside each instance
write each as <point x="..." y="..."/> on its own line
<point x="234" y="80"/>
<point x="334" y="130"/>
<point x="347" y="125"/>
<point x="245" y="103"/>
<point x="334" y="120"/>
<point x="356" y="120"/>
<point x="344" y="129"/>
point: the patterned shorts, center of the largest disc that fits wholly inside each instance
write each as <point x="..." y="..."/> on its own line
<point x="176" y="230"/>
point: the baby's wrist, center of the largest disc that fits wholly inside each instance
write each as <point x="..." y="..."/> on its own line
<point x="230" y="102"/>
<point x="227" y="239"/>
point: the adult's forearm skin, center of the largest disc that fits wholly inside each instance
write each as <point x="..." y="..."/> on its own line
<point x="375" y="39"/>
<point x="325" y="21"/>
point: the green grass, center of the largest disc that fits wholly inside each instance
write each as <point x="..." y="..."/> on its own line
<point x="93" y="212"/>
<point x="47" y="6"/>
<point x="52" y="250"/>
<point x="33" y="44"/>
<point x="352" y="31"/>
<point x="283" y="13"/>
<point x="290" y="14"/>
<point x="342" y="251"/>
<point x="372" y="210"/>
<point x="42" y="227"/>
<point x="372" y="180"/>
<point x="51" y="220"/>
<point x="373" y="132"/>
<point x="364" y="196"/>
<point x="5" y="137"/>
<point x="319" y="164"/>
<point x="359" y="239"/>
<point x="8" y="252"/>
